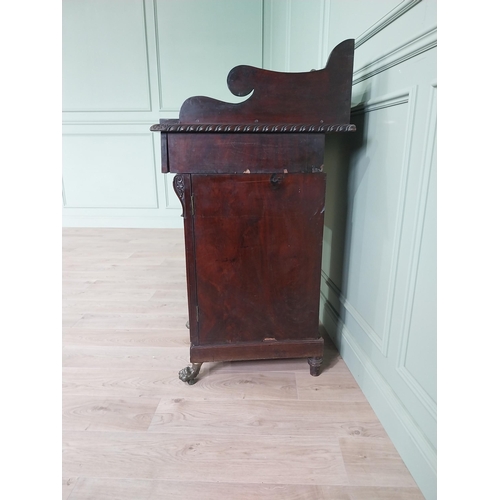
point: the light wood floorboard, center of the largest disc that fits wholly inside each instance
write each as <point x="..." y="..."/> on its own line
<point x="91" y="413"/>
<point x="166" y="383"/>
<point x="68" y="484"/>
<point x="146" y="337"/>
<point x="202" y="456"/>
<point x="273" y="417"/>
<point x="134" y="489"/>
<point x="246" y="430"/>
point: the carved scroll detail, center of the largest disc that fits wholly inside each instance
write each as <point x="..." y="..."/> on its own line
<point x="247" y="128"/>
<point x="322" y="96"/>
<point x="179" y="188"/>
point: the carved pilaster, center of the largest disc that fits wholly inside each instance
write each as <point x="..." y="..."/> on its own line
<point x="179" y="188"/>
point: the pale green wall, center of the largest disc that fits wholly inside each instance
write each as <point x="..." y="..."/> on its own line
<point x="378" y="292"/>
<point x="126" y="64"/>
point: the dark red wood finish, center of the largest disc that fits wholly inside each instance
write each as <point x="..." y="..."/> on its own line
<point x="258" y="254"/>
<point x="182" y="187"/>
<point x="241" y="351"/>
<point x="322" y="96"/>
<point x="250" y="183"/>
<point x="164" y="154"/>
<point x="235" y="153"/>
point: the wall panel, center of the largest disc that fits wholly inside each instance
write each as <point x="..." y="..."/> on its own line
<point x="306" y="47"/>
<point x="109" y="170"/>
<point x="126" y="64"/>
<point x="379" y="264"/>
<point x="376" y="192"/>
<point x="200" y="41"/>
<point x="105" y="64"/>
<point x="348" y="22"/>
<point x="418" y="352"/>
<point x="420" y="315"/>
<point x="294" y="34"/>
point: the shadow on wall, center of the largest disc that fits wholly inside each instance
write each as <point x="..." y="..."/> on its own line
<point x="341" y="151"/>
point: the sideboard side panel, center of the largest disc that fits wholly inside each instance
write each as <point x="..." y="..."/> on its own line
<point x="258" y="254"/>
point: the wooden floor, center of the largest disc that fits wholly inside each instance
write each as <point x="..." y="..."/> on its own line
<point x="246" y="430"/>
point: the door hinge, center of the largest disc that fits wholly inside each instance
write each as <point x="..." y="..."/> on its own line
<point x="192" y="204"/>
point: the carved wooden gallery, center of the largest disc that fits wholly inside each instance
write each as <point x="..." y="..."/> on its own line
<point x="251" y="183"/>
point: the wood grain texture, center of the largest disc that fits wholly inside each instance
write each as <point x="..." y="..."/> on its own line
<point x="70" y="319"/>
<point x="126" y="306"/>
<point x="134" y="489"/>
<point x="234" y="154"/>
<point x="152" y="337"/>
<point x="122" y="294"/>
<point x="68" y="484"/>
<point x="90" y="413"/>
<point x="335" y="385"/>
<point x="166" y="383"/>
<point x="371" y="462"/>
<point x="259" y="417"/>
<point x="137" y="320"/>
<point x="251" y="260"/>
<point x="124" y="357"/>
<point x="246" y="430"/>
<point x="195" y="457"/>
<point x="385" y="493"/>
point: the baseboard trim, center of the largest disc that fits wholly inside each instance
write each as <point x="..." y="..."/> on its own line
<point x="416" y="452"/>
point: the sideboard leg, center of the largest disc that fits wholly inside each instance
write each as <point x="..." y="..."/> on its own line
<point x="190" y="373"/>
<point x="314" y="364"/>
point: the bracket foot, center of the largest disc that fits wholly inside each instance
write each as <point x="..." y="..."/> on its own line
<point x="314" y="364"/>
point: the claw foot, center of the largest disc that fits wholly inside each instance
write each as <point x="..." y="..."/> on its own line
<point x="190" y="373"/>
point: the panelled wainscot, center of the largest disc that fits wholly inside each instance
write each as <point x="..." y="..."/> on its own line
<point x="250" y="180"/>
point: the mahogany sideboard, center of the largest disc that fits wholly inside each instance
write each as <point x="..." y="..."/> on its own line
<point x="250" y="181"/>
